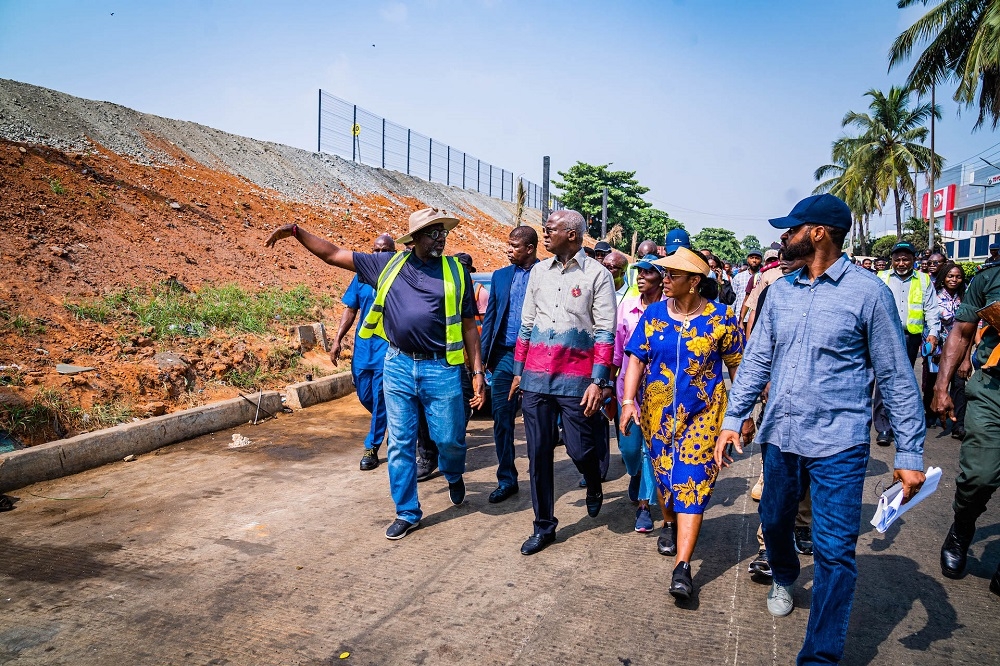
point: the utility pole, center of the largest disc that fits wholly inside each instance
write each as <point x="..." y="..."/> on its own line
<point x="930" y="178"/>
<point x="604" y="214"/>
<point x="545" y="189"/>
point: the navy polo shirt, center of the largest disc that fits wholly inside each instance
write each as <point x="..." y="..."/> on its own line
<point x="368" y="353"/>
<point x="414" y="307"/>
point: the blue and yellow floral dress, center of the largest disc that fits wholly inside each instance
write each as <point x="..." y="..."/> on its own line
<point x="683" y="396"/>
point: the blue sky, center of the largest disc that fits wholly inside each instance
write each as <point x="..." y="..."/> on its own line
<point x="723" y="108"/>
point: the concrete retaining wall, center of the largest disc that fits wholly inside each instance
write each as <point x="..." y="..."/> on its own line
<point x="92" y="449"/>
<point x="306" y="394"/>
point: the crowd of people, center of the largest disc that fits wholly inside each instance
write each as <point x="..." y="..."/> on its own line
<point x="588" y="345"/>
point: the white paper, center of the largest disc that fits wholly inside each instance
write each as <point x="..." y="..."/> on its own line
<point x="890" y="504"/>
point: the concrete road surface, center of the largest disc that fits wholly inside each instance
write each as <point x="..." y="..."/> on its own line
<point x="274" y="554"/>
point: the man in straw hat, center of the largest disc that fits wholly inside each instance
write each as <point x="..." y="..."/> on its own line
<point x="423" y="306"/>
<point x="979" y="456"/>
<point x="562" y="362"/>
<point x="826" y="331"/>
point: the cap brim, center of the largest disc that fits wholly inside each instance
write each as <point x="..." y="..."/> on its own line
<point x="786" y="222"/>
<point x="448" y="222"/>
<point x="646" y="266"/>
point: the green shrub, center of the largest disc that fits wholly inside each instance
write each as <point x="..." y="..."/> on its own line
<point x="56" y="186"/>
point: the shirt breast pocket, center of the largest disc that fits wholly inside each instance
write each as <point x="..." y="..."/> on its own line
<point x="579" y="300"/>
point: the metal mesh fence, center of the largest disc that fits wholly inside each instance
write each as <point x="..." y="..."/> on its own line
<point x="354" y="133"/>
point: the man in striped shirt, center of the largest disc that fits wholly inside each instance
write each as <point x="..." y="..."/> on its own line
<point x="562" y="363"/>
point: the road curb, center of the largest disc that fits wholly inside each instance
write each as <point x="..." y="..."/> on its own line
<point x="93" y="449"/>
<point x="307" y="394"/>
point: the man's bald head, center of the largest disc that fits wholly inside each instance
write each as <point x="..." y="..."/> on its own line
<point x="384" y="243"/>
<point x="616" y="259"/>
<point x="646" y="247"/>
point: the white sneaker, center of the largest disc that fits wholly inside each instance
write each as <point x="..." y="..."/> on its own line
<point x="779" y="600"/>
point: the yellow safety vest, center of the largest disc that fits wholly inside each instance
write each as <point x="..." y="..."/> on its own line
<point x="915" y="299"/>
<point x="454" y="292"/>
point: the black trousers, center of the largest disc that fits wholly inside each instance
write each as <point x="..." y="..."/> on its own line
<point x="586" y="445"/>
<point x="879" y="417"/>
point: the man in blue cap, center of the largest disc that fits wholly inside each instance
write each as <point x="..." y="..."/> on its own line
<point x="824" y="332"/>
<point x="917" y="306"/>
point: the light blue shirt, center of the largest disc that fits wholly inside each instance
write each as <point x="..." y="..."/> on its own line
<point x="821" y="344"/>
<point x="518" y="286"/>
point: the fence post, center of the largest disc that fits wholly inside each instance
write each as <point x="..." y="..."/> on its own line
<point x="463" y="171"/>
<point x="447" y="178"/>
<point x="479" y="178"/>
<point x="319" y="122"/>
<point x="491" y="180"/>
<point x="430" y="159"/>
<point x="511" y="185"/>
<point x="545" y="189"/>
<point x="354" y="139"/>
<point x="383" y="143"/>
<point x="408" y="151"/>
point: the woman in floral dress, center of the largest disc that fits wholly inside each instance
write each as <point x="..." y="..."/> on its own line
<point x="677" y="352"/>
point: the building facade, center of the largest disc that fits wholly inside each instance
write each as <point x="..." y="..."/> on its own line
<point x="967" y="207"/>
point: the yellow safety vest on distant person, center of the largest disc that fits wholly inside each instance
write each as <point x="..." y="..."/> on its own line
<point x="915" y="300"/>
<point x="454" y="292"/>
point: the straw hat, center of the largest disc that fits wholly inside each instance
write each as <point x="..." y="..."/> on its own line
<point x="684" y="259"/>
<point x="426" y="217"/>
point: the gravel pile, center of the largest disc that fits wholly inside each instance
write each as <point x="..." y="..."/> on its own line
<point x="32" y="114"/>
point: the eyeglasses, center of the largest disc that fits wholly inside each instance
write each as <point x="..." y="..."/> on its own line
<point x="550" y="230"/>
<point x="675" y="276"/>
<point x="436" y="234"/>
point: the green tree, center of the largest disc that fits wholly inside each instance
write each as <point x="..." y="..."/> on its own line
<point x="963" y="44"/>
<point x="583" y="186"/>
<point x="748" y="243"/>
<point x="888" y="151"/>
<point x="914" y="232"/>
<point x="722" y="242"/>
<point x="882" y="246"/>
<point x="651" y="224"/>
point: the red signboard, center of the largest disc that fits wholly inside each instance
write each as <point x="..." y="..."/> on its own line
<point x="944" y="203"/>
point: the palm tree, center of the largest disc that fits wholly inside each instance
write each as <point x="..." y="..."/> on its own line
<point x="887" y="152"/>
<point x="964" y="44"/>
<point x="852" y="182"/>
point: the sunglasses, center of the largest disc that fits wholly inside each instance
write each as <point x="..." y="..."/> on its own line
<point x="436" y="234"/>
<point x="675" y="276"/>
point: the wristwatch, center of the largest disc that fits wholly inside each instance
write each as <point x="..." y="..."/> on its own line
<point x="602" y="383"/>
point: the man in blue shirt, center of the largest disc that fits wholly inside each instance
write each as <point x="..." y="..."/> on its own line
<point x="825" y="333"/>
<point x="369" y="354"/>
<point x="501" y="324"/>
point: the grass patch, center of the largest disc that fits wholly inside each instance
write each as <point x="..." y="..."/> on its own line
<point x="56" y="186"/>
<point x="171" y="311"/>
<point x="49" y="406"/>
<point x="24" y="326"/>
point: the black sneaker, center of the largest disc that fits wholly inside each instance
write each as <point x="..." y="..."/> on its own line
<point x="803" y="540"/>
<point x="369" y="461"/>
<point x="399" y="529"/>
<point x="457" y="491"/>
<point x="760" y="567"/>
<point x="425" y="469"/>
<point x="666" y="543"/>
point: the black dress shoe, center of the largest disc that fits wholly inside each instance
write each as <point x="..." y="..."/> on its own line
<point x="594" y="502"/>
<point x="995" y="583"/>
<point x="955" y="549"/>
<point x="681" y="585"/>
<point x="502" y="493"/>
<point x="536" y="542"/>
<point x="457" y="491"/>
<point x="884" y="438"/>
<point x="958" y="432"/>
<point x="425" y="469"/>
<point x="369" y="461"/>
<point x="666" y="543"/>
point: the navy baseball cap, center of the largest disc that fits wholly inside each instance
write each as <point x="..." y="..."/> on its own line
<point x="995" y="246"/>
<point x="646" y="263"/>
<point x="824" y="209"/>
<point x="903" y="246"/>
<point x="602" y="246"/>
<point x="675" y="239"/>
<point x="755" y="253"/>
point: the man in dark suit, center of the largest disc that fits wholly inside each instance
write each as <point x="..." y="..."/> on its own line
<point x="500" y="328"/>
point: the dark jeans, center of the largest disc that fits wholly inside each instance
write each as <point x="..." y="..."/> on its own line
<point x="879" y="417"/>
<point x="979" y="456"/>
<point x="585" y="444"/>
<point x="504" y="413"/>
<point x="836" y="484"/>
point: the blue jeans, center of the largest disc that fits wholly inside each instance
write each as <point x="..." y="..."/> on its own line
<point x="635" y="454"/>
<point x="504" y="412"/>
<point x="369" y="387"/>
<point x="437" y="388"/>
<point x="836" y="483"/>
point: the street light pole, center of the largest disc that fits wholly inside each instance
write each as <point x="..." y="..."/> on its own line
<point x="985" y="187"/>
<point x="930" y="174"/>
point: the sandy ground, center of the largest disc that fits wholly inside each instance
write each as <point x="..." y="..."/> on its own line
<point x="274" y="554"/>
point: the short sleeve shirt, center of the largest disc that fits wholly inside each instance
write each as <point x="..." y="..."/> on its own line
<point x="368" y="353"/>
<point x="414" y="307"/>
<point x="983" y="290"/>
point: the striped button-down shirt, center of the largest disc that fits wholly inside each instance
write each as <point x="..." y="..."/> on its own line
<point x="567" y="326"/>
